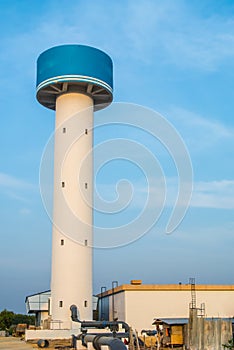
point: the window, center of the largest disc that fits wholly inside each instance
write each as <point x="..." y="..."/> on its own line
<point x="85" y="303"/>
<point x="60" y="303"/>
<point x="86" y="131"/>
<point x="64" y="130"/>
<point x="86" y="242"/>
<point x="86" y="185"/>
<point x="63" y="184"/>
<point x="62" y="242"/>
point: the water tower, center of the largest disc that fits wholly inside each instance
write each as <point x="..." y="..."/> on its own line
<point x="73" y="80"/>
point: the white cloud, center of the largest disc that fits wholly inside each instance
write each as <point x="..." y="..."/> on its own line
<point x="16" y="189"/>
<point x="174" y="31"/>
<point x="9" y="181"/>
<point x="214" y="194"/>
<point x="193" y="120"/>
<point x="24" y="211"/>
<point x="206" y="194"/>
<point x="198" y="132"/>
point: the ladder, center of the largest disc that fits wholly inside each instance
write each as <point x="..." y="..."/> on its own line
<point x="193" y="293"/>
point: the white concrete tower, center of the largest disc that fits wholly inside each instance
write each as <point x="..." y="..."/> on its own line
<point x="74" y="80"/>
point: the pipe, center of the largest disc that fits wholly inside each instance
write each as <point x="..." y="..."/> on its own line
<point x="43" y="343"/>
<point x="103" y="290"/>
<point x="74" y="314"/>
<point x="97" y="324"/>
<point x="114" y="285"/>
<point x="116" y="335"/>
<point x="99" y="340"/>
<point x="113" y="325"/>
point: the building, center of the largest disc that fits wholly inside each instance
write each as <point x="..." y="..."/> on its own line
<point x="38" y="304"/>
<point x="139" y="304"/>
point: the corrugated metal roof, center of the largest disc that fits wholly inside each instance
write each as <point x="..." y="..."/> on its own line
<point x="178" y="321"/>
<point x="32" y="295"/>
<point x="171" y="321"/>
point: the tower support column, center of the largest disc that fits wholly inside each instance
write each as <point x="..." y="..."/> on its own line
<point x="71" y="259"/>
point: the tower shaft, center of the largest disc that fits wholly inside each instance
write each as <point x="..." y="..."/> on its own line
<point x="71" y="259"/>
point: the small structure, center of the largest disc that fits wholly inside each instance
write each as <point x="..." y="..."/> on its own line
<point x="195" y="332"/>
<point x="38" y="304"/>
<point x="172" y="331"/>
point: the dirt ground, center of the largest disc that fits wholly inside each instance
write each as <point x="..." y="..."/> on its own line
<point x="15" y="344"/>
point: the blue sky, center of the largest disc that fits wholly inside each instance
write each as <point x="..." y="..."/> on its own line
<point x="174" y="57"/>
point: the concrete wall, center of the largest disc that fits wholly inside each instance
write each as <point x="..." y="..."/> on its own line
<point x="203" y="334"/>
<point x="143" y="306"/>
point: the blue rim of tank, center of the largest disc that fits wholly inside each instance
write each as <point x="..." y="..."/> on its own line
<point x="74" y="78"/>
